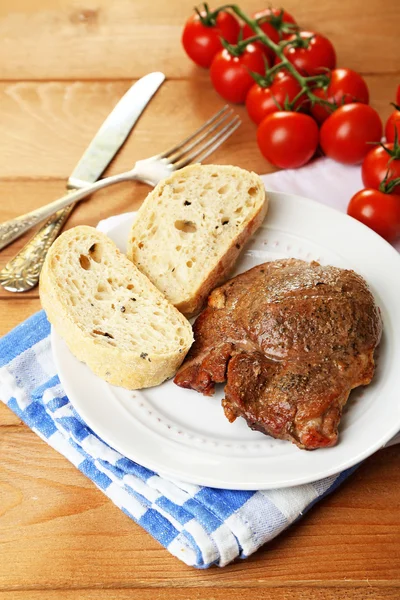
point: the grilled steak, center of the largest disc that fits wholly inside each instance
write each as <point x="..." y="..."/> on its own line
<point x="292" y="339"/>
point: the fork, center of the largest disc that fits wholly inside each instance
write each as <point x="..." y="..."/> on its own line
<point x="22" y="272"/>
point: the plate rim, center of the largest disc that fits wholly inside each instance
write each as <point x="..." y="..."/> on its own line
<point x="211" y="482"/>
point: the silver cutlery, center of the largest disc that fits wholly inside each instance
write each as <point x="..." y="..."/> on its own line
<point x="22" y="272"/>
<point x="197" y="147"/>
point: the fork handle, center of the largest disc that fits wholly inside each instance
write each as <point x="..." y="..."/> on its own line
<point x="22" y="272"/>
<point x="14" y="228"/>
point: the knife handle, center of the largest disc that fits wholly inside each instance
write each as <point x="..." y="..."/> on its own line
<point x="22" y="272"/>
<point x="14" y="228"/>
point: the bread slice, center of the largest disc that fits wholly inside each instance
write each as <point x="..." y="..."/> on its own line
<point x="191" y="228"/>
<point x="109" y="314"/>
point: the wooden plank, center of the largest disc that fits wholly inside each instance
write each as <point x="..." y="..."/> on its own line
<point x="14" y="310"/>
<point x="45" y="127"/>
<point x="59" y="531"/>
<point x="367" y="592"/>
<point x="125" y="39"/>
<point x="7" y="417"/>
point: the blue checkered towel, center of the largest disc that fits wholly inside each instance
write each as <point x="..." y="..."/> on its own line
<point x="201" y="526"/>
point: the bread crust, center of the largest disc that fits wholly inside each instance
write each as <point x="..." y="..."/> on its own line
<point x="117" y="366"/>
<point x="222" y="269"/>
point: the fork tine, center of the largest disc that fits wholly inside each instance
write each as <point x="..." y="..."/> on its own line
<point x="214" y="143"/>
<point x="220" y="141"/>
<point x="206" y="152"/>
<point x="205" y="135"/>
<point x="193" y="135"/>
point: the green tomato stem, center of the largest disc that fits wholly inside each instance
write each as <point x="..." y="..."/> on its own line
<point x="295" y="99"/>
<point x="250" y="40"/>
<point x="214" y="14"/>
<point x="388" y="186"/>
<point x="275" y="69"/>
<point x="278" y="50"/>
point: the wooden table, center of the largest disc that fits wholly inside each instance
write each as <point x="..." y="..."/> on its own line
<point x="63" y="66"/>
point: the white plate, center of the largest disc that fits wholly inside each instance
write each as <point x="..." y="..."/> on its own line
<point x="184" y="435"/>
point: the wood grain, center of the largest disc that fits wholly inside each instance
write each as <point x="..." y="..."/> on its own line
<point x="45" y="127"/>
<point x="367" y="592"/>
<point x="98" y="39"/>
<point x="17" y="308"/>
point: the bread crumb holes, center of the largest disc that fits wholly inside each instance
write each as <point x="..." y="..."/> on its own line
<point x="252" y="191"/>
<point x="84" y="262"/>
<point x="186" y="226"/>
<point x="96" y="252"/>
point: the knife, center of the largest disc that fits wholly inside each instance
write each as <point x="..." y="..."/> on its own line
<point x="22" y="272"/>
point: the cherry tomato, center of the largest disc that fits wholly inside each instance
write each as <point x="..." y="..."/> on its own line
<point x="230" y="75"/>
<point x="271" y="21"/>
<point x="202" y="42"/>
<point x="345" y="136"/>
<point x="314" y="55"/>
<point x="345" y="86"/>
<point x="393" y="123"/>
<point x="287" y="139"/>
<point x="379" y="211"/>
<point x="261" y="101"/>
<point x="375" y="166"/>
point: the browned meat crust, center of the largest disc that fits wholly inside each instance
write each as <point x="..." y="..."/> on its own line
<point x="292" y="339"/>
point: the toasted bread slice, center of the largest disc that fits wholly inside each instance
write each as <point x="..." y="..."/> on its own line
<point x="191" y="228"/>
<point x="109" y="314"/>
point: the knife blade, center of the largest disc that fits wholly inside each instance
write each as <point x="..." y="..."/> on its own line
<point x="101" y="149"/>
<point x="114" y="131"/>
<point x="22" y="272"/>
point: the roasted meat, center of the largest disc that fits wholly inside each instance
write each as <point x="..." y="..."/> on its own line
<point x="292" y="339"/>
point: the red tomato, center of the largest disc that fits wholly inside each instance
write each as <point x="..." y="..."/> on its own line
<point x="287" y="139"/>
<point x="261" y="101"/>
<point x="345" y="136"/>
<point x="271" y="21"/>
<point x="393" y="123"/>
<point x="379" y="211"/>
<point x="202" y="42"/>
<point x="314" y="57"/>
<point x="230" y="74"/>
<point x="345" y="86"/>
<point x="375" y="166"/>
